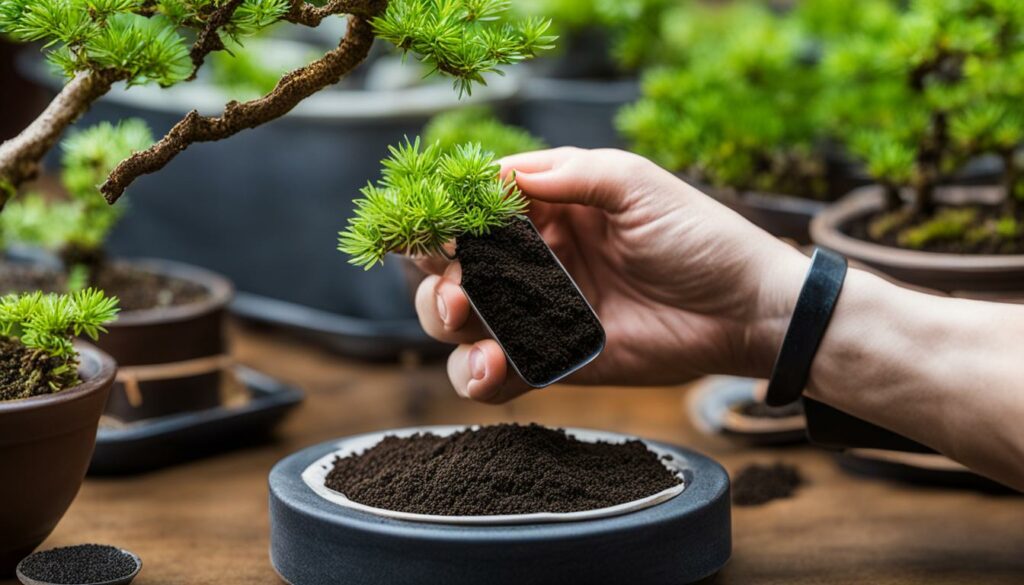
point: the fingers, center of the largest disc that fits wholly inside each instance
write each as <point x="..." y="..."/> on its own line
<point x="444" y="310"/>
<point x="599" y="178"/>
<point x="480" y="372"/>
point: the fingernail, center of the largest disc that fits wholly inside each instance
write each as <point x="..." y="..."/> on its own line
<point x="442" y="309"/>
<point x="477" y="367"/>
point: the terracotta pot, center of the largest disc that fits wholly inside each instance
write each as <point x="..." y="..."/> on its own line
<point x="991" y="276"/>
<point x="171" y="359"/>
<point x="46" y="443"/>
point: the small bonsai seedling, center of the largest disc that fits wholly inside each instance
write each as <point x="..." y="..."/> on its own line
<point x="735" y="111"/>
<point x="426" y="200"/>
<point x="36" y="332"/>
<point x="917" y="104"/>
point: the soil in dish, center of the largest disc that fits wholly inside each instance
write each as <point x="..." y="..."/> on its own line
<point x="501" y="469"/>
<point x="136" y="289"/>
<point x="757" y="484"/>
<point x="758" y="409"/>
<point x="529" y="302"/>
<point x="79" y="565"/>
<point x="15" y="359"/>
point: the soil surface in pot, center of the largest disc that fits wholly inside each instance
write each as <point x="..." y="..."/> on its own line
<point x="756" y="484"/>
<point x="15" y="359"/>
<point x="757" y="409"/>
<point x="861" y="228"/>
<point x="82" y="564"/>
<point x="529" y="302"/>
<point x="501" y="469"/>
<point x="135" y="289"/>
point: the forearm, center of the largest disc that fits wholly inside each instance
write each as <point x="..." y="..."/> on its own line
<point x="946" y="372"/>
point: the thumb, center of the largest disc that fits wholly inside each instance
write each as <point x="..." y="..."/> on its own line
<point x="596" y="178"/>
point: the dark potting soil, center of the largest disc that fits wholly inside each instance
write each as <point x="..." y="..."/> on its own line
<point x="758" y="409"/>
<point x="135" y="289"/>
<point x="859" y="228"/>
<point x="79" y="565"/>
<point x="15" y="361"/>
<point x="759" y="484"/>
<point x="501" y="469"/>
<point x="529" y="302"/>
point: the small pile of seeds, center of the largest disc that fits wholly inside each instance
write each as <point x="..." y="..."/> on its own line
<point x="501" y="469"/>
<point x="759" y="484"/>
<point x="78" y="565"/>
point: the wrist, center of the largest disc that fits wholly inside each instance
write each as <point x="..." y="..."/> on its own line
<point x="780" y="279"/>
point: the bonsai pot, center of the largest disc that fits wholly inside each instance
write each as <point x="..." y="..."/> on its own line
<point x="319" y="537"/>
<point x="575" y="112"/>
<point x="264" y="208"/>
<point x="172" y="359"/>
<point x="729" y="406"/>
<point x="45" y="446"/>
<point x="960" y="274"/>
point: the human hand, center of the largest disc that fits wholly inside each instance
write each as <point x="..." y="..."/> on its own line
<point x="683" y="285"/>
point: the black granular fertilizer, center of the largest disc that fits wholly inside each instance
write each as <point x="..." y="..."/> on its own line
<point x="78" y="565"/>
<point x="759" y="484"/>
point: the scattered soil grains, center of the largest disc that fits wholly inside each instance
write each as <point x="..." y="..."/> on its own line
<point x="756" y="484"/>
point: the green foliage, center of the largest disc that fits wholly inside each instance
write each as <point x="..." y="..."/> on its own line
<point x="425" y="199"/>
<point x="736" y="111"/>
<point x="252" y="70"/>
<point x="464" y="39"/>
<point x="45" y="324"/>
<point x="478" y="125"/>
<point x="84" y="220"/>
<point x="947" y="224"/>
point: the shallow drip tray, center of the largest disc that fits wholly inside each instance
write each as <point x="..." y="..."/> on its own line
<point x="319" y="537"/>
<point x="712" y="404"/>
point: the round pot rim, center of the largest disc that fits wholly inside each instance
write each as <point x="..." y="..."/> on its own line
<point x="826" y="232"/>
<point x="761" y="199"/>
<point x="106" y="369"/>
<point x="219" y="287"/>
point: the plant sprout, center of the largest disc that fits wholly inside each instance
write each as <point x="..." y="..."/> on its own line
<point x="37" y="330"/>
<point x="98" y="43"/>
<point x="479" y="125"/>
<point x="425" y="199"/>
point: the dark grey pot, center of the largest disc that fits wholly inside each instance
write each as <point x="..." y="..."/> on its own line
<point x="575" y="112"/>
<point x="316" y="542"/>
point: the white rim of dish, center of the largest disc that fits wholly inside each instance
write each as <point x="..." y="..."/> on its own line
<point x="316" y="473"/>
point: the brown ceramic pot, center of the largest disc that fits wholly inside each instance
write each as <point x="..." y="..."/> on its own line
<point x="171" y="359"/>
<point x="783" y="216"/>
<point x="989" y="276"/>
<point x="46" y="443"/>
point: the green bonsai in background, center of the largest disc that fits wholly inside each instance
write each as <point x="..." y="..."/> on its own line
<point x="479" y="125"/>
<point x="77" y="228"/>
<point x="426" y="199"/>
<point x="98" y="43"/>
<point x="737" y="111"/>
<point x="916" y="105"/>
<point x="36" y="331"/>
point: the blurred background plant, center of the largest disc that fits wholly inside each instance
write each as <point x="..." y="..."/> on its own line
<point x="479" y="125"/>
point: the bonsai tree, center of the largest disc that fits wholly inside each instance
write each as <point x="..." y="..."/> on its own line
<point x="36" y="332"/>
<point x="77" y="228"/>
<point x="98" y="43"/>
<point x="478" y="125"/>
<point x="736" y="111"/>
<point x="916" y="105"/>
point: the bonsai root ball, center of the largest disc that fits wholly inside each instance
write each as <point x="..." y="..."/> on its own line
<point x="502" y="469"/>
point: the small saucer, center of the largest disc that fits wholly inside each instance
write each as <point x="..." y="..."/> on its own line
<point x="122" y="581"/>
<point x="715" y="407"/>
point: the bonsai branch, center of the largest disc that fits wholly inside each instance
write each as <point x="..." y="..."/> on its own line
<point x="20" y="156"/>
<point x="306" y="14"/>
<point x="208" y="39"/>
<point x="289" y="92"/>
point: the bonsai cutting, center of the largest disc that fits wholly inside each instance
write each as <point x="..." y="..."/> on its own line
<point x="426" y="199"/>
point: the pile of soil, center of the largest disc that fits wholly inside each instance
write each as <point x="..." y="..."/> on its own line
<point x="16" y="360"/>
<point x="757" y="484"/>
<point x="859" y="228"/>
<point x="135" y="289"/>
<point x="85" y="563"/>
<point x="501" y="469"/>
<point x="758" y="409"/>
<point x="529" y="302"/>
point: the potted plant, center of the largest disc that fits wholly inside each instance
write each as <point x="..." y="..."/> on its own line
<point x="738" y="114"/>
<point x="915" y="107"/>
<point x="169" y="339"/>
<point x="428" y="198"/>
<point x="572" y="96"/>
<point x="51" y="398"/>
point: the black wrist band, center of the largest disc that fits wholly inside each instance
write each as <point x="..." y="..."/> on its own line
<point x="807" y="327"/>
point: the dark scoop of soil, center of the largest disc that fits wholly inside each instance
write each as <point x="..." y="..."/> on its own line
<point x="759" y="484"/>
<point x="501" y="469"/>
<point x="135" y="289"/>
<point x="758" y="409"/>
<point x="528" y="301"/>
<point x="79" y="565"/>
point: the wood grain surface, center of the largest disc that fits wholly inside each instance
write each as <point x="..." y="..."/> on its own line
<point x="206" y="522"/>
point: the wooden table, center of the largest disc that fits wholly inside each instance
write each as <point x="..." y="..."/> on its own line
<point x="206" y="522"/>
